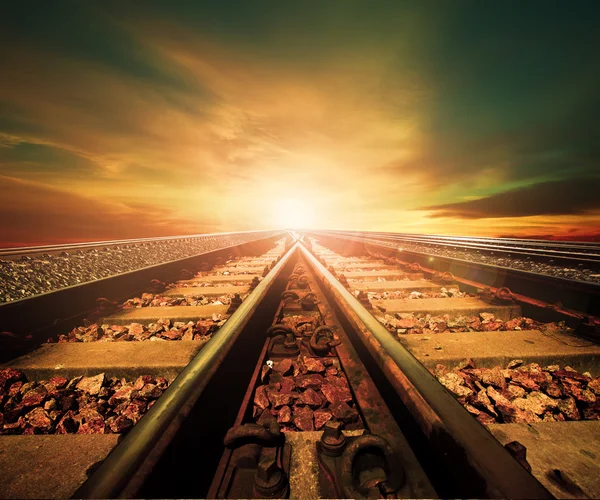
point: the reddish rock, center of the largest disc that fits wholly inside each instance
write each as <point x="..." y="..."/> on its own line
<point x="331" y="371"/>
<point x="553" y="389"/>
<point x="495" y="396"/>
<point x="492" y="326"/>
<point x="11" y="428"/>
<point x="9" y="376"/>
<point x="440" y="370"/>
<point x="161" y="383"/>
<point x="311" y="398"/>
<point x="28" y="386"/>
<point x="285" y="415"/>
<point x="510" y="413"/>
<point x="313" y="365"/>
<point x="35" y="396"/>
<point x="493" y="376"/>
<point x="96" y="426"/>
<point x="287" y="384"/>
<point x="343" y="412"/>
<point x="298" y="368"/>
<point x="121" y="396"/>
<point x="142" y="380"/>
<point x="172" y="335"/>
<point x="523" y="380"/>
<point x="406" y="323"/>
<point x="283" y="366"/>
<point x="67" y="424"/>
<point x="573" y="388"/>
<point x="312" y="381"/>
<point x="594" y="386"/>
<point x="512" y="324"/>
<point x="188" y="334"/>
<point x="471" y="409"/>
<point x="260" y="397"/>
<point x="51" y="405"/>
<point x="91" y="385"/>
<point x="475" y="325"/>
<point x="515" y="363"/>
<point x="39" y="419"/>
<point x="321" y="417"/>
<point x="485" y="419"/>
<point x="68" y="403"/>
<point x="483" y="401"/>
<point x="135" y="411"/>
<point x="149" y="391"/>
<point x="72" y="384"/>
<point x="571" y="374"/>
<point x="56" y="383"/>
<point x="335" y="394"/>
<point x="516" y="391"/>
<point x="569" y="409"/>
<point x="537" y="402"/>
<point x="136" y="329"/>
<point x="279" y="398"/>
<point x="303" y="418"/>
<point x="455" y="384"/>
<point x="15" y="388"/>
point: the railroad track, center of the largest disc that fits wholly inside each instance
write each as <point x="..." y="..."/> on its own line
<point x="586" y="252"/>
<point x="300" y="388"/>
<point x="571" y="260"/>
<point x="29" y="251"/>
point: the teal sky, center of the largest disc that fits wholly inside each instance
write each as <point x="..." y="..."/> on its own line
<point x="147" y="118"/>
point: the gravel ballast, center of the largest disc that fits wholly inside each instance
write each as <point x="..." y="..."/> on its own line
<point x="34" y="275"/>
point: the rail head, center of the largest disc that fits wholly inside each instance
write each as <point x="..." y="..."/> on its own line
<point x="503" y="475"/>
<point x="113" y="477"/>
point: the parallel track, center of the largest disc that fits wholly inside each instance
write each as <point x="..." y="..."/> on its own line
<point x="564" y="252"/>
<point x="371" y="377"/>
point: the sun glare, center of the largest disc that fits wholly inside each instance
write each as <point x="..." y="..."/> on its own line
<point x="293" y="213"/>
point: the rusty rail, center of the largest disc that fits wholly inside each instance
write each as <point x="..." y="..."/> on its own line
<point x="442" y="418"/>
<point x="126" y="467"/>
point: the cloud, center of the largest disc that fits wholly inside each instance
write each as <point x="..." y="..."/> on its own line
<point x="33" y="213"/>
<point x="194" y="114"/>
<point x="566" y="197"/>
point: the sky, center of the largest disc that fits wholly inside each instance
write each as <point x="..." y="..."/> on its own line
<point x="155" y="118"/>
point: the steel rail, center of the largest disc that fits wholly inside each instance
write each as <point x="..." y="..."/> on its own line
<point x="169" y="412"/>
<point x="591" y="258"/>
<point x="503" y="475"/>
<point x="500" y="241"/>
<point x="522" y="250"/>
<point x="4" y="252"/>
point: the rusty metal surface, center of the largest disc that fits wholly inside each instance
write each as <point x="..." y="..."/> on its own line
<point x="475" y="451"/>
<point x="124" y="469"/>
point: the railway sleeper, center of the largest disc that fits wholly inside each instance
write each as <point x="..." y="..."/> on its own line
<point x="66" y="405"/>
<point x="542" y="378"/>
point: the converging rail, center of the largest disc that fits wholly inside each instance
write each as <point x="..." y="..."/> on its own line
<point x="16" y="252"/>
<point x="568" y="252"/>
<point x="313" y="365"/>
